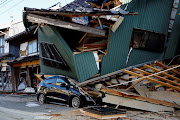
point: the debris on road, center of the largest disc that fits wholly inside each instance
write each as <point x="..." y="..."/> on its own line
<point x="103" y="112"/>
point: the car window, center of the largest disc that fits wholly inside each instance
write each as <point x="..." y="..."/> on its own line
<point x="50" y="81"/>
<point x="59" y="81"/>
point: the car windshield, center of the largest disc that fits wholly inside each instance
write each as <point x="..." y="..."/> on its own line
<point x="71" y="82"/>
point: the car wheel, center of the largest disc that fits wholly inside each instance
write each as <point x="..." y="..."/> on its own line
<point x="76" y="102"/>
<point x="41" y="99"/>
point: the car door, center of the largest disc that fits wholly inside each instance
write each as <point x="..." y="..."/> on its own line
<point x="62" y="93"/>
<point x="50" y="87"/>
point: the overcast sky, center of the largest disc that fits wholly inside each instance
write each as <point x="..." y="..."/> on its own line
<point x="12" y="9"/>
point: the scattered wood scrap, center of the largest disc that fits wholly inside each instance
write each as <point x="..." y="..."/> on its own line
<point x="134" y="103"/>
<point x="54" y="114"/>
<point x="103" y="112"/>
<point x="138" y="97"/>
<point x="64" y="24"/>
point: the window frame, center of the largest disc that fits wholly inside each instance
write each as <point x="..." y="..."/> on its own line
<point x="147" y="41"/>
<point x="37" y="50"/>
<point x="63" y="79"/>
<point x="2" y="37"/>
<point x="50" y="79"/>
<point x="52" y="57"/>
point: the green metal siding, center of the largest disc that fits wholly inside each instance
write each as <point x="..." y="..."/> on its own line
<point x="51" y="35"/>
<point x="174" y="39"/>
<point x="83" y="66"/>
<point x="153" y="15"/>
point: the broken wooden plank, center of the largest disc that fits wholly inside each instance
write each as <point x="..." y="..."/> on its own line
<point x="76" y="14"/>
<point x="141" y="90"/>
<point x="100" y="23"/>
<point x="64" y="24"/>
<point x="103" y="112"/>
<point x="133" y="103"/>
<point x="147" y="82"/>
<point x="169" y="81"/>
<point x="117" y="23"/>
<point x="145" y="72"/>
<point x="38" y="76"/>
<point x="152" y="80"/>
<point x="141" y="98"/>
<point x="165" y="96"/>
<point x="167" y="67"/>
<point x="138" y="81"/>
<point x="159" y="77"/>
<point x="82" y="38"/>
<point x="164" y="73"/>
<point x="119" y="72"/>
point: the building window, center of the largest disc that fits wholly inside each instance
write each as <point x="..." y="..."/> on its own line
<point x="147" y="40"/>
<point x="1" y="44"/>
<point x="51" y="56"/>
<point x="32" y="47"/>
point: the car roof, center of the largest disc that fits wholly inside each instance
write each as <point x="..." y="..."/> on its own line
<point x="59" y="76"/>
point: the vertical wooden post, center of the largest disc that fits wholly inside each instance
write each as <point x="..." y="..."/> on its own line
<point x="13" y="79"/>
<point x="28" y="77"/>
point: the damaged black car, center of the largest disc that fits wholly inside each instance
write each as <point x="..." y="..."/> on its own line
<point x="60" y="88"/>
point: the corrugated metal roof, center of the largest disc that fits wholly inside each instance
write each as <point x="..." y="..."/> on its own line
<point x="153" y="15"/>
<point x="174" y="40"/>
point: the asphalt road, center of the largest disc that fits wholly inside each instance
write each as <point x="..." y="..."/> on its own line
<point x="26" y="107"/>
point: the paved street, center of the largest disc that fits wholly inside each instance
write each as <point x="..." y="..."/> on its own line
<point x="25" y="107"/>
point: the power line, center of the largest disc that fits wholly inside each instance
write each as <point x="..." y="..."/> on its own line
<point x="3" y="2"/>
<point x="6" y="3"/>
<point x="12" y="7"/>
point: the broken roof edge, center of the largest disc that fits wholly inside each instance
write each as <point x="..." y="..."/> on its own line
<point x="87" y="12"/>
<point x="24" y="59"/>
<point x="115" y="72"/>
<point x="6" y="55"/>
<point x="12" y="38"/>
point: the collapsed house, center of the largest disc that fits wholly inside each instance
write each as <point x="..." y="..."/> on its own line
<point x="106" y="49"/>
<point x="76" y="40"/>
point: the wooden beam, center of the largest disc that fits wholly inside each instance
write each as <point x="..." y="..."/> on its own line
<point x="100" y="23"/>
<point x="137" y="97"/>
<point x="137" y="104"/>
<point x="169" y="81"/>
<point x="109" y="35"/>
<point x="117" y="23"/>
<point x="164" y="73"/>
<point x="75" y="14"/>
<point x="134" y="84"/>
<point x="119" y="72"/>
<point x="64" y="24"/>
<point x="102" y="117"/>
<point x="137" y="69"/>
<point x="167" y="67"/>
<point x="158" y="86"/>
<point x="162" y="78"/>
<point x="153" y="80"/>
<point x="146" y="82"/>
<point x="82" y="38"/>
<point x="133" y="73"/>
<point x="34" y="62"/>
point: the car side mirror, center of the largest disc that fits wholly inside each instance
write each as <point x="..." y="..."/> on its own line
<point x="68" y="86"/>
<point x="63" y="85"/>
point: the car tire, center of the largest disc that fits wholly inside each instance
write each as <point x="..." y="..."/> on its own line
<point x="42" y="99"/>
<point x="76" y="102"/>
